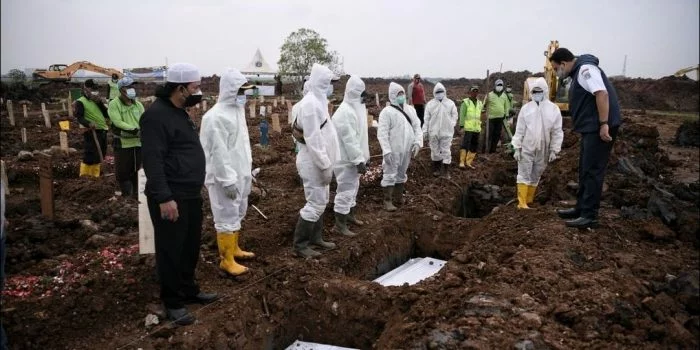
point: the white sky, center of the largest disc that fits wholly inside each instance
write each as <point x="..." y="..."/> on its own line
<point x="448" y="38"/>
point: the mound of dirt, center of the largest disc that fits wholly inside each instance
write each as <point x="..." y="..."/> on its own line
<point x="688" y="134"/>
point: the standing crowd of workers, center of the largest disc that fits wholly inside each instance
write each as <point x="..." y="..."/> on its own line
<point x="178" y="159"/>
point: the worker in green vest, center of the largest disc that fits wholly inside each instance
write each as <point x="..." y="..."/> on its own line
<point x="92" y="114"/>
<point x="125" y="113"/>
<point x="470" y="121"/>
<point x="113" y="87"/>
<point x="497" y="109"/>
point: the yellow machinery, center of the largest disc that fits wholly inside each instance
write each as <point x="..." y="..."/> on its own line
<point x="558" y="91"/>
<point x="62" y="72"/>
<point x="683" y="71"/>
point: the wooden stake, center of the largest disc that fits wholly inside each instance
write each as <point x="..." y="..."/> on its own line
<point x="370" y="119"/>
<point x="283" y="100"/>
<point x="262" y="111"/>
<point x="289" y="116"/>
<point x="3" y="177"/>
<point x="376" y="97"/>
<point x="24" y="111"/>
<point x="204" y="105"/>
<point x="46" y="185"/>
<point x="11" y="112"/>
<point x="70" y="106"/>
<point x="47" y="119"/>
<point x="276" y="122"/>
<point x="63" y="106"/>
<point x="251" y="111"/>
<point x="262" y="99"/>
<point x="330" y="109"/>
<point x="24" y="135"/>
<point x="274" y="102"/>
<point x="63" y="137"/>
<point x="146" y="237"/>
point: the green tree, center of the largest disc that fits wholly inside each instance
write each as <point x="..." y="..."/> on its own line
<point x="301" y="50"/>
<point x="17" y="76"/>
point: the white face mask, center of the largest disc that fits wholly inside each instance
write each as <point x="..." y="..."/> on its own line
<point x="440" y="96"/>
<point x="561" y="73"/>
<point x="131" y="93"/>
<point x="499" y="88"/>
<point x="95" y="93"/>
<point x="538" y="96"/>
<point x="240" y="100"/>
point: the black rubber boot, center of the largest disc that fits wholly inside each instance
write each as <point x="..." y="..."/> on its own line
<point x="570" y="213"/>
<point x="399" y="190"/>
<point x="353" y="219"/>
<point x="388" y="198"/>
<point x="127" y="188"/>
<point x="341" y="225"/>
<point x="436" y="168"/>
<point x="317" y="236"/>
<point x="302" y="236"/>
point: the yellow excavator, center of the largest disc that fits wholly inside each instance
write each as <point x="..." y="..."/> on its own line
<point x="683" y="71"/>
<point x="62" y="72"/>
<point x="558" y="90"/>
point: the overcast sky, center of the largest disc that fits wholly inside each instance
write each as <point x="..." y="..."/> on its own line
<point x="448" y="38"/>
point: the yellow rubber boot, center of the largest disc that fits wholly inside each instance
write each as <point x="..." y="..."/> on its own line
<point x="462" y="157"/>
<point x="238" y="252"/>
<point x="470" y="159"/>
<point x="531" y="190"/>
<point x="95" y="170"/>
<point x="226" y="242"/>
<point x="84" y="169"/>
<point x="522" y="196"/>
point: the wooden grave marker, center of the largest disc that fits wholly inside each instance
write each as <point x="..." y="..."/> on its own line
<point x="46" y="185"/>
<point x="10" y="112"/>
<point x="146" y="237"/>
<point x="276" y="122"/>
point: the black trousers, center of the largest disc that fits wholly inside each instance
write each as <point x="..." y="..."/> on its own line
<point x="127" y="162"/>
<point x="470" y="141"/>
<point x="592" y="163"/>
<point x="177" y="250"/>
<point x="420" y="111"/>
<point x="90" y="154"/>
<point x="495" y="126"/>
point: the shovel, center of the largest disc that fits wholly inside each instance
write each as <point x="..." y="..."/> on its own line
<point x="97" y="143"/>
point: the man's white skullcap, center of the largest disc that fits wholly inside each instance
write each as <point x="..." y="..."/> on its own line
<point x="183" y="73"/>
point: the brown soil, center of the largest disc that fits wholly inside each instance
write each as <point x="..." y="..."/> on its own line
<point x="513" y="278"/>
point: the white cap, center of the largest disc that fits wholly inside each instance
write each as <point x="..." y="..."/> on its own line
<point x="183" y="73"/>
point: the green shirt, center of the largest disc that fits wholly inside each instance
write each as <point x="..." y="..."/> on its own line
<point x="113" y="90"/>
<point x="497" y="106"/>
<point x="470" y="115"/>
<point x="93" y="114"/>
<point x="126" y="119"/>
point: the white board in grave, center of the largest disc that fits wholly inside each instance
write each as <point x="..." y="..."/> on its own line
<point x="411" y="272"/>
<point x="300" y="345"/>
<point x="147" y="243"/>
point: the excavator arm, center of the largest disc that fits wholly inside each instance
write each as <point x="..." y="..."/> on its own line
<point x="682" y="72"/>
<point x="64" y="73"/>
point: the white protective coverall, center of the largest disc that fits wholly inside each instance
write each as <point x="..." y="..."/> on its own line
<point x="295" y="108"/>
<point x="350" y="121"/>
<point x="316" y="158"/>
<point x="538" y="136"/>
<point x="396" y="136"/>
<point x="440" y="120"/>
<point x="224" y="137"/>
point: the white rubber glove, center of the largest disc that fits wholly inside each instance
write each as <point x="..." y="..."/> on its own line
<point x="415" y="149"/>
<point x="518" y="154"/>
<point x="231" y="192"/>
<point x="552" y="157"/>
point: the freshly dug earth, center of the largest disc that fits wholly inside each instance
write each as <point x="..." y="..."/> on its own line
<point x="513" y="278"/>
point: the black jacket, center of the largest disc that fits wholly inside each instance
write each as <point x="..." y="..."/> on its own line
<point x="173" y="158"/>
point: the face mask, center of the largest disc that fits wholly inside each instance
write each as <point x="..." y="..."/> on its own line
<point x="509" y="90"/>
<point x="194" y="99"/>
<point x="401" y="99"/>
<point x="499" y="88"/>
<point x="95" y="93"/>
<point x="240" y="100"/>
<point x="329" y="92"/>
<point x="538" y="96"/>
<point x="131" y="93"/>
<point x="440" y="96"/>
<point x="561" y="73"/>
<point x="364" y="97"/>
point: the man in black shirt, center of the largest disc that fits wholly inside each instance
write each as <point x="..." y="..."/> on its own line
<point x="174" y="163"/>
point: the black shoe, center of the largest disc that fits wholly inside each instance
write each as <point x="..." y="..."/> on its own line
<point x="203" y="298"/>
<point x="570" y="213"/>
<point x="180" y="317"/>
<point x="582" y="223"/>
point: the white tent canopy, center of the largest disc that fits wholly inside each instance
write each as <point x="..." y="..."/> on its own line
<point x="258" y="65"/>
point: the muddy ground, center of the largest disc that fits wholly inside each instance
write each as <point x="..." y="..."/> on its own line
<point x="513" y="278"/>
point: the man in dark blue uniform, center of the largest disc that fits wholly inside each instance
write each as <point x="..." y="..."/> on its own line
<point x="596" y="115"/>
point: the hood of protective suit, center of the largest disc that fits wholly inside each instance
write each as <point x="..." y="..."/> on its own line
<point x="439" y="87"/>
<point x="394" y="90"/>
<point x="540" y="83"/>
<point x="230" y="82"/>
<point x="320" y="80"/>
<point x="306" y="88"/>
<point x="353" y="89"/>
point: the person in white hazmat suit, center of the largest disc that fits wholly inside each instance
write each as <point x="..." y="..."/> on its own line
<point x="295" y="108"/>
<point x="350" y="121"/>
<point x="224" y="137"/>
<point x="318" y="153"/>
<point x="439" y="126"/>
<point x="400" y="136"/>
<point x="537" y="140"/>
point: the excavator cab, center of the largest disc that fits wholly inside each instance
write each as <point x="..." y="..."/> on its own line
<point x="57" y="67"/>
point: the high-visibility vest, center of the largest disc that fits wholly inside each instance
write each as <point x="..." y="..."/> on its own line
<point x="470" y="116"/>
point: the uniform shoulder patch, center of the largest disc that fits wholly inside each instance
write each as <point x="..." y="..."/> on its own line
<point x="585" y="73"/>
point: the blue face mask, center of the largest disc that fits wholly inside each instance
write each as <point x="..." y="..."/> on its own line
<point x="401" y="99"/>
<point x="329" y="92"/>
<point x="240" y="100"/>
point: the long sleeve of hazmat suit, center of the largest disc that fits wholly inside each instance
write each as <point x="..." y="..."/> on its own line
<point x="350" y="121"/>
<point x="537" y="135"/>
<point x="316" y="158"/>
<point x="440" y="120"/>
<point x="295" y="108"/>
<point x="224" y="137"/>
<point x="396" y="136"/>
